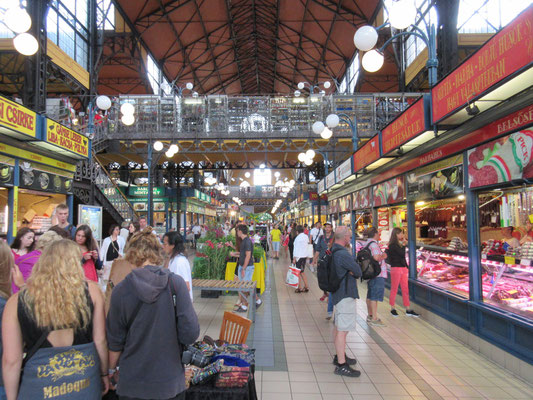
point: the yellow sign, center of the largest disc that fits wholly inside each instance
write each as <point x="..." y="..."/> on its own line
<point x="16" y="117"/>
<point x="509" y="260"/>
<point x="66" y="138"/>
<point x="15" y="209"/>
<point x="28" y="155"/>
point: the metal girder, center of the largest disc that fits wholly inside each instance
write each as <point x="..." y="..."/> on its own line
<point x="323" y="56"/>
<point x="299" y="47"/>
<point x="170" y="8"/>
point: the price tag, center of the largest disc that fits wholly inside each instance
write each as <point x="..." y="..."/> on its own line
<point x="484" y="256"/>
<point x="509" y="260"/>
<point x="525" y="262"/>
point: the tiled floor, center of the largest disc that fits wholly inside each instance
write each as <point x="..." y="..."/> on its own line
<point x="407" y="359"/>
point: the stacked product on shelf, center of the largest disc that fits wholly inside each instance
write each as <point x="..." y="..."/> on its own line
<point x="456" y="244"/>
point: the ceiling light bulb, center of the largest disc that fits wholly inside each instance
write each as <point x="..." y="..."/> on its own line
<point x="301" y="157"/>
<point x="26" y="44"/>
<point x="103" y="102"/>
<point x="297" y="93"/>
<point x="277" y="174"/>
<point x="189" y="85"/>
<point x="174" y="148"/>
<point x="127" y="109"/>
<point x="402" y="14"/>
<point x="327" y="85"/>
<point x="168" y="153"/>
<point x="128" y="119"/>
<point x="332" y="121"/>
<point x="365" y="38"/>
<point x="373" y="60"/>
<point x="247" y="175"/>
<point x="318" y="127"/>
<point x="158" y="146"/>
<point x="301" y="85"/>
<point x="310" y="154"/>
<point x="326" y="134"/>
<point x="17" y="19"/>
<point x="292" y="181"/>
<point x="308" y="161"/>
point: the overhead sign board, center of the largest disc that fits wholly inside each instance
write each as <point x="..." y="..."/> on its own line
<point x="406" y="126"/>
<point x="330" y="179"/>
<point x="321" y="185"/>
<point x="344" y="170"/>
<point x="17" y="118"/>
<point x="390" y="192"/>
<point x="367" y="154"/>
<point x="142" y="191"/>
<point x="67" y="139"/>
<point x="505" y="53"/>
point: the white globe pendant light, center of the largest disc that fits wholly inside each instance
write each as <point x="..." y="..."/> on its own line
<point x="158" y="146"/>
<point x="189" y="85"/>
<point x="103" y="102"/>
<point x="301" y="85"/>
<point x="373" y="61"/>
<point x="308" y="161"/>
<point x="332" y="121"/>
<point x="365" y="38"/>
<point x="26" y="44"/>
<point x="326" y="134"/>
<point x="301" y="157"/>
<point x="310" y="154"/>
<point x="318" y="127"/>
<point x="128" y="119"/>
<point x="17" y="19"/>
<point x="327" y="85"/>
<point x="127" y="109"/>
<point x="402" y="14"/>
<point x="169" y="154"/>
<point x="297" y="93"/>
<point x="174" y="148"/>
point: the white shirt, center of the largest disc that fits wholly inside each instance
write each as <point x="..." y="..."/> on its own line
<point x="315" y="234"/>
<point x="196" y="229"/>
<point x="180" y="266"/>
<point x="105" y="246"/>
<point x="301" y="243"/>
<point x="124" y="233"/>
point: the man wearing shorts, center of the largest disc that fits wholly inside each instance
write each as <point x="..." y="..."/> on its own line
<point x="245" y="271"/>
<point x="275" y="235"/>
<point x="344" y="300"/>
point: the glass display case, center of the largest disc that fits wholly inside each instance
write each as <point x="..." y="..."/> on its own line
<point x="363" y="220"/>
<point x="444" y="268"/>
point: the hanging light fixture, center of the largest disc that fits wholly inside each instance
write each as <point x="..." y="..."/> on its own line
<point x="128" y="119"/>
<point x="402" y="13"/>
<point x="103" y="103"/>
<point x="17" y="19"/>
<point x="326" y="134"/>
<point x="158" y="146"/>
<point x="26" y="44"/>
<point x="365" y="38"/>
<point x="373" y="60"/>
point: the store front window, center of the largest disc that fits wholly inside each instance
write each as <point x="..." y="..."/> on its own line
<point x="506" y="234"/>
<point x="36" y="209"/>
<point x="4" y="212"/>
<point x="442" y="243"/>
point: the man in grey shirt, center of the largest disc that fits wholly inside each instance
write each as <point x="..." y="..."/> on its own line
<point x="344" y="300"/>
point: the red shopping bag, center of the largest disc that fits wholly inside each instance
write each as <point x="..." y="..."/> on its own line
<point x="293" y="276"/>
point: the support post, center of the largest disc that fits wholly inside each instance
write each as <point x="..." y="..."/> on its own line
<point x="411" y="235"/>
<point x="472" y="235"/>
<point x="150" y="184"/>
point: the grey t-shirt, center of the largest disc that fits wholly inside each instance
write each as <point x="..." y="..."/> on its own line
<point x="246" y="245"/>
<point x="344" y="263"/>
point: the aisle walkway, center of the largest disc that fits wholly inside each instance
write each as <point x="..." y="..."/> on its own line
<point x="407" y="359"/>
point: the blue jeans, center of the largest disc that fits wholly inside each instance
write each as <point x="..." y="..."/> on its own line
<point x="330" y="304"/>
<point x="3" y="393"/>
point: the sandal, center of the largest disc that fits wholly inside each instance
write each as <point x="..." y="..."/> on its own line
<point x="305" y="290"/>
<point x="299" y="291"/>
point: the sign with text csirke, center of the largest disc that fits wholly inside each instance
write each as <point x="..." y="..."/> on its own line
<point x="17" y="118"/>
<point x="367" y="154"/>
<point x="66" y="138"/>
<point x="408" y="125"/>
<point x="512" y="122"/>
<point x="505" y="53"/>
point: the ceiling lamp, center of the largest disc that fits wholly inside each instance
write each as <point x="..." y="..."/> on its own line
<point x="17" y="19"/>
<point x="168" y="153"/>
<point x="247" y="175"/>
<point x="158" y="146"/>
<point x="402" y="13"/>
<point x="127" y="109"/>
<point x="277" y="174"/>
<point x="26" y="44"/>
<point x="310" y="154"/>
<point x="373" y="60"/>
<point x="301" y="157"/>
<point x="326" y="134"/>
<point x="103" y="103"/>
<point x="128" y="119"/>
<point x="365" y="38"/>
<point x="301" y="85"/>
<point x="297" y="93"/>
<point x="332" y="120"/>
<point x="327" y="85"/>
<point x="174" y="148"/>
<point x="318" y="127"/>
<point x="308" y="161"/>
<point x="189" y="85"/>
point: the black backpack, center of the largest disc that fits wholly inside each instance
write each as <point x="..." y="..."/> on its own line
<point x="327" y="277"/>
<point x="369" y="266"/>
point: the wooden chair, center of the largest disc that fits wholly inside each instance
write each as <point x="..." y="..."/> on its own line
<point x="234" y="328"/>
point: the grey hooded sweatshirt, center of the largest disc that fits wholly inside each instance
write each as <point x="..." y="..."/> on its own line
<point x="150" y="363"/>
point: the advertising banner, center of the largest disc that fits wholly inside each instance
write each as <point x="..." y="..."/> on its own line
<point x="321" y="185"/>
<point x="389" y="192"/>
<point x="502" y="160"/>
<point x="437" y="182"/>
<point x="367" y="154"/>
<point x="37" y="177"/>
<point x="91" y="216"/>
<point x="505" y="53"/>
<point x="330" y="180"/>
<point x="344" y="170"/>
<point x="142" y="191"/>
<point x="409" y="124"/>
<point x="66" y="138"/>
<point x="17" y="118"/>
<point x="362" y="199"/>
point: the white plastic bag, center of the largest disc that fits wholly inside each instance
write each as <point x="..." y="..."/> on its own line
<point x="293" y="276"/>
<point x="310" y="251"/>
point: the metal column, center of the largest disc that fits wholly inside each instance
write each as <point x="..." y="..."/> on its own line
<point x="150" y="184"/>
<point x="411" y="234"/>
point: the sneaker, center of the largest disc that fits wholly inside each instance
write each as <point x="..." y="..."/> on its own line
<point x="329" y="316"/>
<point x="394" y="312"/>
<point x="346" y="370"/>
<point x="258" y="303"/>
<point x="377" y="322"/>
<point x="369" y="318"/>
<point x="412" y="313"/>
<point x="242" y="309"/>
<point x="349" y="361"/>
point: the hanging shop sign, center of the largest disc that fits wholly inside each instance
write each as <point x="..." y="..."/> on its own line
<point x="344" y="170"/>
<point x="91" y="216"/>
<point x="210" y="212"/>
<point x="7" y="171"/>
<point x="362" y="199"/>
<point x="321" y="187"/>
<point x="389" y="192"/>
<point x="366" y="155"/>
<point x="28" y="155"/>
<point x="505" y="53"/>
<point x="513" y="121"/>
<point x="39" y="177"/>
<point x="502" y="160"/>
<point x="142" y="191"/>
<point x="330" y="180"/>
<point x="16" y="120"/>
<point x="313" y="196"/>
<point x="438" y="180"/>
<point x="409" y="124"/>
<point x="142" y="205"/>
<point x="194" y="208"/>
<point x="67" y="139"/>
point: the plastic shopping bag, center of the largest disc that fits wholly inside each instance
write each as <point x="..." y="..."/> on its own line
<point x="293" y="276"/>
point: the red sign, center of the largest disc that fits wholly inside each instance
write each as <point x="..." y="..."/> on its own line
<point x="499" y="127"/>
<point x="366" y="154"/>
<point x="505" y="53"/>
<point x="389" y="192"/>
<point x="409" y="124"/>
<point x="313" y="196"/>
<point x="361" y="199"/>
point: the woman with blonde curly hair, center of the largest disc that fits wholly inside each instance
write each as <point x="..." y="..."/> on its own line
<point x="141" y="325"/>
<point x="6" y="265"/>
<point x="58" y="321"/>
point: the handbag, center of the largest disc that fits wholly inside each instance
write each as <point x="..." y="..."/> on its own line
<point x="293" y="276"/>
<point x="232" y="376"/>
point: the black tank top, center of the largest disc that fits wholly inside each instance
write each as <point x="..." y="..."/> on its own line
<point x="31" y="332"/>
